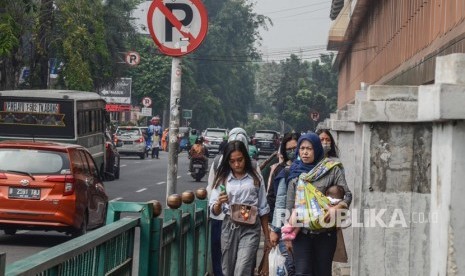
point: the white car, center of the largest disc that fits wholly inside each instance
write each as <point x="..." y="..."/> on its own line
<point x="213" y="138"/>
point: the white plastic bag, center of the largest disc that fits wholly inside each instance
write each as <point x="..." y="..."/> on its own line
<point x="276" y="263"/>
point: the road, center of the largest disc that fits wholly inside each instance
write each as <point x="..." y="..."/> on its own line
<point x="140" y="181"/>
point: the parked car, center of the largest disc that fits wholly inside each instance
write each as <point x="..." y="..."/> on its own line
<point x="112" y="159"/>
<point x="49" y="186"/>
<point x="130" y="140"/>
<point x="266" y="141"/>
<point x="213" y="138"/>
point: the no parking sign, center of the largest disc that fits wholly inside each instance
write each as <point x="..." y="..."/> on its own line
<point x="177" y="27"/>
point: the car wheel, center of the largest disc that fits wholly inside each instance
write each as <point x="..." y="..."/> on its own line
<point x="142" y="155"/>
<point x="9" y="231"/>
<point x="83" y="229"/>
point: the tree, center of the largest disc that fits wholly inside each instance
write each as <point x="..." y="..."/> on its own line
<point x="222" y="67"/>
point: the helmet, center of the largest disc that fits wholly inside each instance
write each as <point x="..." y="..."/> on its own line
<point x="199" y="140"/>
<point x="155" y="118"/>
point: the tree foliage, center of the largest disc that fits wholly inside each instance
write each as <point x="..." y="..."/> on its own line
<point x="296" y="88"/>
<point x="223" y="81"/>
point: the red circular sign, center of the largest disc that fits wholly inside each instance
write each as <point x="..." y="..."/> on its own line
<point x="146" y="101"/>
<point x="178" y="27"/>
<point x="132" y="58"/>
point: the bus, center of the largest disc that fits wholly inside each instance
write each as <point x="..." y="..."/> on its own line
<point x="64" y="116"/>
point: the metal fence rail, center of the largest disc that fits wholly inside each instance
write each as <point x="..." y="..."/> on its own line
<point x="90" y="254"/>
<point x="175" y="244"/>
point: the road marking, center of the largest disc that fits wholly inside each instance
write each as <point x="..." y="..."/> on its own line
<point x="141" y="190"/>
<point x="116" y="199"/>
<point x="179" y="176"/>
<point x="159" y="183"/>
<point x="124" y="165"/>
<point x="22" y="232"/>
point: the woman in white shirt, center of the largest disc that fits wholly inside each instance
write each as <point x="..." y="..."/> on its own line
<point x="237" y="182"/>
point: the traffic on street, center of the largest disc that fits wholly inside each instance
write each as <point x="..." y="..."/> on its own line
<point x="140" y="181"/>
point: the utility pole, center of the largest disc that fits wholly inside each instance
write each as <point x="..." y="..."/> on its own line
<point x="175" y="115"/>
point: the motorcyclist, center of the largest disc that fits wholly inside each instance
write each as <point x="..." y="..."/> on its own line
<point x="198" y="152"/>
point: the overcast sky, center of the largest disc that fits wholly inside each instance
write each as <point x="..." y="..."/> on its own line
<point x="300" y="27"/>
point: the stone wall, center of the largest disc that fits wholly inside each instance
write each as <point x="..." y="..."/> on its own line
<point x="403" y="149"/>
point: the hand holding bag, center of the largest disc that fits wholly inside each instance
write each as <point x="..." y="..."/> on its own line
<point x="244" y="214"/>
<point x="277" y="263"/>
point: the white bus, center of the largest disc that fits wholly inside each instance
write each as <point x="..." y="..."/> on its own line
<point x="64" y="116"/>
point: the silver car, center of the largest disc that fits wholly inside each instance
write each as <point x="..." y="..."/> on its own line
<point x="213" y="138"/>
<point x="130" y="141"/>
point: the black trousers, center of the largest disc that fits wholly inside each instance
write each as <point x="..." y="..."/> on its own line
<point x="313" y="253"/>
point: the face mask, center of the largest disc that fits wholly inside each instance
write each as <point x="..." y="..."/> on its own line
<point x="326" y="148"/>
<point x="290" y="155"/>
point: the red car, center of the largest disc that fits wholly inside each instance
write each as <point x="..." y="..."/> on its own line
<point x="49" y="186"/>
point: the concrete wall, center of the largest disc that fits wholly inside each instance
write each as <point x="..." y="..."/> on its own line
<point x="443" y="103"/>
<point x="403" y="148"/>
<point x="386" y="151"/>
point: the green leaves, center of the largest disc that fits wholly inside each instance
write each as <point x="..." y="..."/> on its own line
<point x="8" y="35"/>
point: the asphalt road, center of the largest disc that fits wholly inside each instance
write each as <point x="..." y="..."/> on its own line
<point x="140" y="181"/>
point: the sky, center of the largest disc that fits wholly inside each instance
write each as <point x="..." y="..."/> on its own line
<point x="299" y="26"/>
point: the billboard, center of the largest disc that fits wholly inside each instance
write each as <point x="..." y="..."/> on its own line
<point x="120" y="93"/>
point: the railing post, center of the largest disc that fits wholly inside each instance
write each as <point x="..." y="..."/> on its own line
<point x="2" y="263"/>
<point x="146" y="211"/>
<point x="202" y="255"/>
<point x="155" y="245"/>
<point x="191" y="264"/>
<point x="176" y="264"/>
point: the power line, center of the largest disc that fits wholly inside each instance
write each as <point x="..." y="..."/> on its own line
<point x="295" y="8"/>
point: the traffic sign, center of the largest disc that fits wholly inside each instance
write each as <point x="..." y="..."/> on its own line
<point x="146" y="111"/>
<point x="146" y="101"/>
<point x="132" y="58"/>
<point x="187" y="114"/>
<point x="178" y="27"/>
<point x="315" y="116"/>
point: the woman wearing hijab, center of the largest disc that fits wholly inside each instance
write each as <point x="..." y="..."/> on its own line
<point x="313" y="250"/>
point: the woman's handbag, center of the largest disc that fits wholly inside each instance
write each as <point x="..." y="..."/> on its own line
<point x="244" y="214"/>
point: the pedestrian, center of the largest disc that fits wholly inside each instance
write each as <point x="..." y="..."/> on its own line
<point x="277" y="192"/>
<point x="155" y="132"/>
<point x="313" y="250"/>
<point x="236" y="134"/>
<point x="329" y="145"/>
<point x="237" y="182"/>
<point x="164" y="140"/>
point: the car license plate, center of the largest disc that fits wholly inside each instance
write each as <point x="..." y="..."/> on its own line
<point x="265" y="144"/>
<point x="128" y="142"/>
<point x="198" y="166"/>
<point x="24" y="193"/>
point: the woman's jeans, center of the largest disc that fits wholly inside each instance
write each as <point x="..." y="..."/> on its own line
<point x="289" y="258"/>
<point x="313" y="253"/>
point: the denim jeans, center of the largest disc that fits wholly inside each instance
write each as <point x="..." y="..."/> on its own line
<point x="289" y="258"/>
<point x="314" y="253"/>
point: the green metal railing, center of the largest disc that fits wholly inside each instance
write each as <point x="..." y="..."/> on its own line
<point x="175" y="244"/>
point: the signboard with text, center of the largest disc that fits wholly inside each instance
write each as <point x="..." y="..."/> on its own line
<point x="119" y="93"/>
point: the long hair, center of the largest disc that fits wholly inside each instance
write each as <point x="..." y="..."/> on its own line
<point x="334" y="151"/>
<point x="287" y="137"/>
<point x="224" y="168"/>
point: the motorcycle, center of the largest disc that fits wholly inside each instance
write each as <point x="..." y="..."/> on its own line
<point x="198" y="169"/>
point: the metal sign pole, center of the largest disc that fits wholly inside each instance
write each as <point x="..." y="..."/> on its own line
<point x="175" y="114"/>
